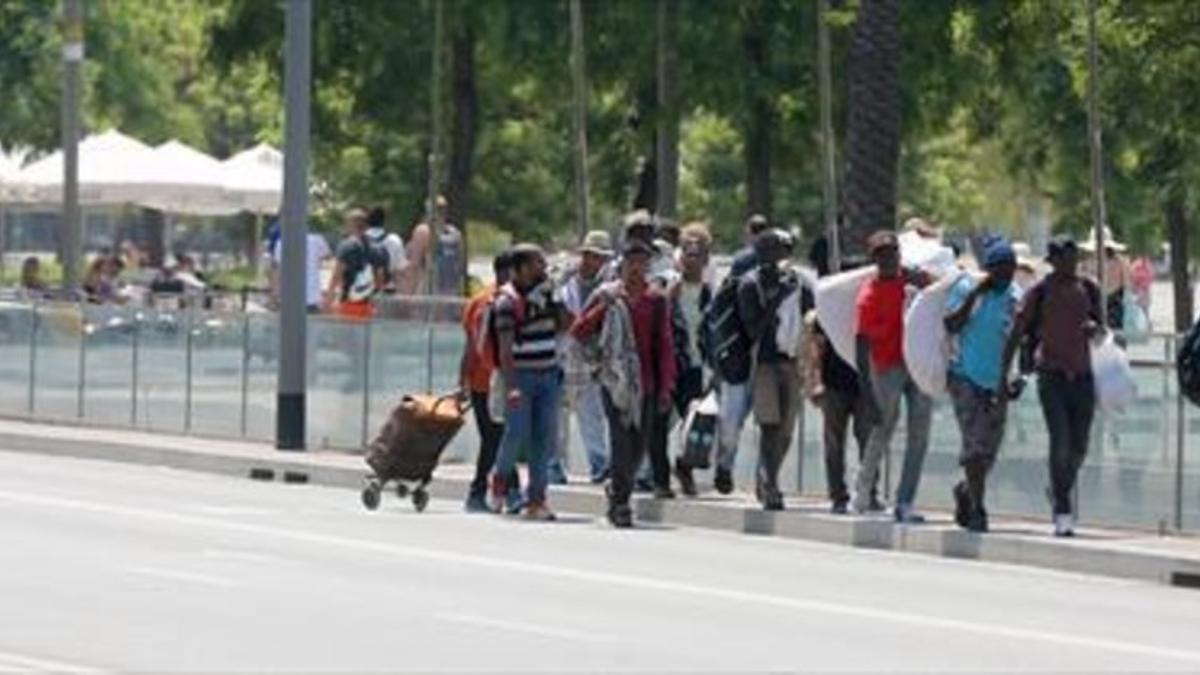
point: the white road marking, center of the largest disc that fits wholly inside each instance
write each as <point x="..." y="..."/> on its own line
<point x="241" y="556"/>
<point x="212" y="510"/>
<point x="521" y="627"/>
<point x="177" y="575"/>
<point x="21" y="663"/>
<point x="540" y="570"/>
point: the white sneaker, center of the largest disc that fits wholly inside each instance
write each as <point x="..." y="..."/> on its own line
<point x="1064" y="525"/>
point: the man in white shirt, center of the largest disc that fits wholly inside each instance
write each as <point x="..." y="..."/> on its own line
<point x="390" y="242"/>
<point x="316" y="253"/>
<point x="582" y="387"/>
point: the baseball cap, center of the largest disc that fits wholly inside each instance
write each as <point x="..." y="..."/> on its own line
<point x="997" y="251"/>
<point x="1060" y="244"/>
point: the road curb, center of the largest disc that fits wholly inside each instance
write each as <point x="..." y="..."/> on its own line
<point x="1097" y="556"/>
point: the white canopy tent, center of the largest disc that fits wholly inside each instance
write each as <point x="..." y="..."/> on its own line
<point x="185" y="181"/>
<point x="111" y="171"/>
<point x="11" y="187"/>
<point x="253" y="179"/>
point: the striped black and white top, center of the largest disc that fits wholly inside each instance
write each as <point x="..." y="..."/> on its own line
<point x="535" y="343"/>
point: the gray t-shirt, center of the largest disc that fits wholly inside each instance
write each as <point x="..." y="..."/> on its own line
<point x="448" y="260"/>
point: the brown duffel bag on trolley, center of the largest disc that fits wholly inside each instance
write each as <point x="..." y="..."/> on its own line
<point x="411" y="442"/>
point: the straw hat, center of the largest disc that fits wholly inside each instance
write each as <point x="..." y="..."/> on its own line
<point x="597" y="242"/>
<point x="1025" y="255"/>
<point x="1110" y="242"/>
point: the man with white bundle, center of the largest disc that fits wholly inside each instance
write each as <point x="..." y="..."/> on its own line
<point x="981" y="313"/>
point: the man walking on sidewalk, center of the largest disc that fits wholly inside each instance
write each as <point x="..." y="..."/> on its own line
<point x="1059" y="318"/>
<point x="881" y="367"/>
<point x="475" y="376"/>
<point x="528" y="320"/>
<point x="833" y="387"/>
<point x="981" y="312"/>
<point x="690" y="297"/>
<point x="630" y="325"/>
<point x="582" y="389"/>
<point x="775" y="380"/>
<point x="736" y="397"/>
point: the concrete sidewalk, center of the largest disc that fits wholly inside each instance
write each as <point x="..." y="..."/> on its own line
<point x="1115" y="553"/>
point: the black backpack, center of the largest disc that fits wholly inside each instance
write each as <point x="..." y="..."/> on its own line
<point x="728" y="346"/>
<point x="1187" y="363"/>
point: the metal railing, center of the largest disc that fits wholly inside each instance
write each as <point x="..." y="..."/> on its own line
<point x="212" y="373"/>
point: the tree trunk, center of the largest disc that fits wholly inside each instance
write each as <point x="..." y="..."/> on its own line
<point x="760" y="122"/>
<point x="645" y="186"/>
<point x="464" y="126"/>
<point x="1177" y="233"/>
<point x="668" y="111"/>
<point x="873" y="129"/>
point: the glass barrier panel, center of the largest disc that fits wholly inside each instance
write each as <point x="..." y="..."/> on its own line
<point x="262" y="359"/>
<point x="111" y="333"/>
<point x="162" y="369"/>
<point x="217" y="360"/>
<point x="337" y="377"/>
<point x="16" y="353"/>
<point x="56" y="369"/>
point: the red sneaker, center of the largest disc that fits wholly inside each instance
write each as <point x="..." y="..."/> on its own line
<point x="499" y="491"/>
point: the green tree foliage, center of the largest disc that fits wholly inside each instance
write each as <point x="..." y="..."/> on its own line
<point x="991" y="95"/>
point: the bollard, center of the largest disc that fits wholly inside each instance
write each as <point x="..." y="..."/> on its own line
<point x="81" y="391"/>
<point x="245" y="371"/>
<point x="366" y="380"/>
<point x="33" y="342"/>
<point x="134" y="347"/>
<point x="1180" y="443"/>
<point x="187" y="377"/>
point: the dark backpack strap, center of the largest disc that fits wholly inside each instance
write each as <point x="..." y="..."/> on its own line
<point x="1094" y="297"/>
<point x="656" y="322"/>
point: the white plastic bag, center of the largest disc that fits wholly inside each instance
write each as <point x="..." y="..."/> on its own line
<point x="927" y="347"/>
<point x="698" y="433"/>
<point x="927" y="254"/>
<point x="1136" y="328"/>
<point x="837" y="309"/>
<point x="791" y="323"/>
<point x="1115" y="387"/>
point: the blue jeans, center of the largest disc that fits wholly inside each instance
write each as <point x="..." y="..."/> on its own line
<point x="736" y="402"/>
<point x="891" y="386"/>
<point x="532" y="425"/>
<point x="593" y="428"/>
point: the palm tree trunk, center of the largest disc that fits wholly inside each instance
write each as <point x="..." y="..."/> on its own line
<point x="464" y="125"/>
<point x="1177" y="233"/>
<point x="873" y="129"/>
<point x="668" y="110"/>
<point x="760" y="123"/>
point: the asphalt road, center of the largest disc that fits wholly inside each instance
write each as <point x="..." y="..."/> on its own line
<point x="108" y="567"/>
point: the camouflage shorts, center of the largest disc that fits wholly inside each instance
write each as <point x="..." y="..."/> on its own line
<point x="980" y="419"/>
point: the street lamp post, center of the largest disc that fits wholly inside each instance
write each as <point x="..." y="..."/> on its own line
<point x="579" y="77"/>
<point x="290" y="402"/>
<point x="72" y="216"/>
<point x="1097" y="152"/>
<point x="828" y="146"/>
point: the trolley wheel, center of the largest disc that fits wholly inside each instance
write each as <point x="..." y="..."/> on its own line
<point x="420" y="499"/>
<point x="401" y="490"/>
<point x="370" y="495"/>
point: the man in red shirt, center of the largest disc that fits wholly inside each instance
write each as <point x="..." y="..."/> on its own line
<point x="475" y="376"/>
<point x="637" y="411"/>
<point x="881" y="368"/>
